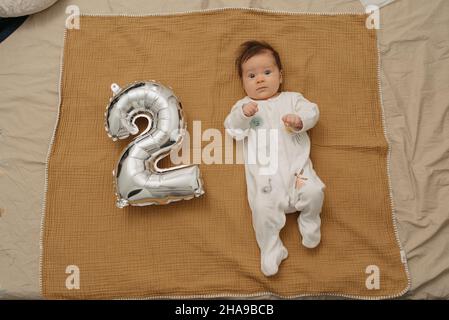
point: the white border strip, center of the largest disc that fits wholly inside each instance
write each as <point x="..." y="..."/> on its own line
<point x="292" y="13"/>
<point x="44" y="203"/>
<point x="233" y="295"/>
<point x="393" y="207"/>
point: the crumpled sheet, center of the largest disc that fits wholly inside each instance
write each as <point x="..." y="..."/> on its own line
<point x="378" y="3"/>
<point x="414" y="46"/>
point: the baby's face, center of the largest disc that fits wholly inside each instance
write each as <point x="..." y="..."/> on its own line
<point x="261" y="77"/>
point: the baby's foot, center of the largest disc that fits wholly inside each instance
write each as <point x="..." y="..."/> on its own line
<point x="270" y="262"/>
<point x="312" y="241"/>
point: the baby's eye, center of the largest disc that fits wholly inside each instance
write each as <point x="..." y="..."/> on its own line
<point x="251" y="75"/>
<point x="267" y="72"/>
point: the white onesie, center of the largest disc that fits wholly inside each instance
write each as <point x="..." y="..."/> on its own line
<point x="287" y="182"/>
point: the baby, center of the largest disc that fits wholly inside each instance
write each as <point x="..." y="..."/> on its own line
<point x="293" y="185"/>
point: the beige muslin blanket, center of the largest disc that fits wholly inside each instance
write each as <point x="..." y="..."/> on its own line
<point x="206" y="246"/>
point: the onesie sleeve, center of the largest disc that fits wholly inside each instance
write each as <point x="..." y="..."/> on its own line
<point x="308" y="111"/>
<point x="236" y="123"/>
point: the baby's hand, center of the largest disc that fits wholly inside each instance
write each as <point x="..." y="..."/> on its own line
<point x="292" y="121"/>
<point x="250" y="109"/>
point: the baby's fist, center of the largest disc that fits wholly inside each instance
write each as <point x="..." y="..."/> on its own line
<point x="250" y="109"/>
<point x="292" y="121"/>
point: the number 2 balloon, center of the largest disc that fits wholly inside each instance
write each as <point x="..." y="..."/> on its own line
<point x="138" y="180"/>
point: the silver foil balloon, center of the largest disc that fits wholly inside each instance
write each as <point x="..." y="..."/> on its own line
<point x="138" y="180"/>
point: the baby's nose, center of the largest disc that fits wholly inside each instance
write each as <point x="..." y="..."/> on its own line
<point x="260" y="78"/>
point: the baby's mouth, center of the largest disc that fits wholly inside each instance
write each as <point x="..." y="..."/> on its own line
<point x="261" y="88"/>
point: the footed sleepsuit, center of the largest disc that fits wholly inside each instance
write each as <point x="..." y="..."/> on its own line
<point x="279" y="173"/>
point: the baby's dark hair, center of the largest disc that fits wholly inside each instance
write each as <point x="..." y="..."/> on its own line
<point x="251" y="48"/>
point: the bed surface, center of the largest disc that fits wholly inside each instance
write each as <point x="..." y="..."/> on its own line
<point x="414" y="47"/>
